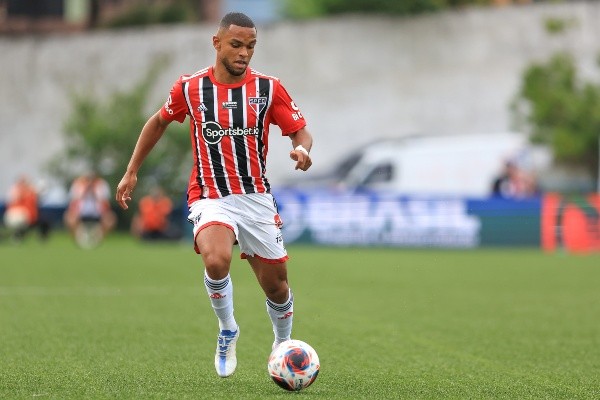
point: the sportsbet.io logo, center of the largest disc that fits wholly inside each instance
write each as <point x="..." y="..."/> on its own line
<point x="212" y="132"/>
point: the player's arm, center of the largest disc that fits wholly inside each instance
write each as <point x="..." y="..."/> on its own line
<point x="302" y="143"/>
<point x="151" y="133"/>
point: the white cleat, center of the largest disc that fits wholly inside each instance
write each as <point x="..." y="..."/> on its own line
<point x="225" y="359"/>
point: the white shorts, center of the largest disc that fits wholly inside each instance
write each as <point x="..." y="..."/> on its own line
<point x="253" y="218"/>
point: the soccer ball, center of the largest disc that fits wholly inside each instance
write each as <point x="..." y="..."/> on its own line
<point x="293" y="365"/>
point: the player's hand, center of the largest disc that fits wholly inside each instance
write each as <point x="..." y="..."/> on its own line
<point x="124" y="190"/>
<point x="302" y="159"/>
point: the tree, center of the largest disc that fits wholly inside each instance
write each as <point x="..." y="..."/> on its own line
<point x="101" y="135"/>
<point x="314" y="8"/>
<point x="141" y="13"/>
<point x="562" y="111"/>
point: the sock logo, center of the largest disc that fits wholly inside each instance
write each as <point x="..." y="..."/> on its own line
<point x="287" y="315"/>
<point x="217" y="296"/>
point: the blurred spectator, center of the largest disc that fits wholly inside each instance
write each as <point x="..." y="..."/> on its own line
<point x="152" y="219"/>
<point x="514" y="183"/>
<point x="22" y="213"/>
<point x="89" y="216"/>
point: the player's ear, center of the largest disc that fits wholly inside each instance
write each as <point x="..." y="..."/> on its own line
<point x="216" y="42"/>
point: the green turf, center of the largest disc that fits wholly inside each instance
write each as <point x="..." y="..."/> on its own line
<point x="129" y="320"/>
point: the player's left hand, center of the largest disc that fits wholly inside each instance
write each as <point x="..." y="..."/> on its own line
<point x="302" y="159"/>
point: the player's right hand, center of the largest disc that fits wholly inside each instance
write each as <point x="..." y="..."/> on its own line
<point x="124" y="190"/>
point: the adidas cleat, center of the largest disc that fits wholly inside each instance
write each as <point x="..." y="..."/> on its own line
<point x="225" y="359"/>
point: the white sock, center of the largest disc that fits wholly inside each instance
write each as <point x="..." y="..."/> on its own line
<point x="221" y="298"/>
<point x="281" y="316"/>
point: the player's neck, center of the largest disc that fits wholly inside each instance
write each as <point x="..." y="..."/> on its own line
<point x="223" y="76"/>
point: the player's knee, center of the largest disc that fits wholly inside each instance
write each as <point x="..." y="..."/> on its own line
<point x="217" y="264"/>
<point x="277" y="292"/>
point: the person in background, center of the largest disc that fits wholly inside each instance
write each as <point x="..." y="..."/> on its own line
<point x="89" y="207"/>
<point x="514" y="183"/>
<point x="152" y="219"/>
<point x="22" y="212"/>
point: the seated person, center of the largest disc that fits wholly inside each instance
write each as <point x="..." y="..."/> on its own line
<point x="89" y="203"/>
<point x="152" y="218"/>
<point x="21" y="209"/>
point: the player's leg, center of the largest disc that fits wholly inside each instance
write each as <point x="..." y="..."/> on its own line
<point x="261" y="243"/>
<point x="272" y="278"/>
<point x="108" y="220"/>
<point x="71" y="220"/>
<point x="215" y="242"/>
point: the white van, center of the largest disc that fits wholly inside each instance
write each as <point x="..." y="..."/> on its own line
<point x="452" y="165"/>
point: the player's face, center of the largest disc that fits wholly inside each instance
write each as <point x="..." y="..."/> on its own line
<point x="235" y="47"/>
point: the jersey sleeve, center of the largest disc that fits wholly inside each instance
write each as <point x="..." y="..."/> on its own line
<point x="175" y="108"/>
<point x="285" y="113"/>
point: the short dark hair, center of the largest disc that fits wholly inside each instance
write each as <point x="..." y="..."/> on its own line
<point x="237" y="19"/>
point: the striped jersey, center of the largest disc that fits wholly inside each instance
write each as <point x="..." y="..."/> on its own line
<point x="229" y="129"/>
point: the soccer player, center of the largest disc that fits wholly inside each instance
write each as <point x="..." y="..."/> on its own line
<point x="230" y="107"/>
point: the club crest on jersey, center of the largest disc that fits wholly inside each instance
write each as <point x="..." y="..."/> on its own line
<point x="213" y="132"/>
<point x="257" y="103"/>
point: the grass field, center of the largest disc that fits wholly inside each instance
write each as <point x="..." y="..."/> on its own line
<point x="129" y="320"/>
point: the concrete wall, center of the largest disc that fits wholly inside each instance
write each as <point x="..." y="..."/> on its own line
<point x="355" y="78"/>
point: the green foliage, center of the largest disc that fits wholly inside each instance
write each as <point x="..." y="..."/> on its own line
<point x="314" y="8"/>
<point x="102" y="134"/>
<point x="143" y="14"/>
<point x="562" y="111"/>
<point x="558" y="25"/>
